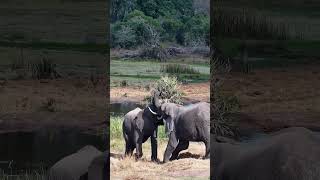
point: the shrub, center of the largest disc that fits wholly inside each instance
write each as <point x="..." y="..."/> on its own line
<point x="44" y="69"/>
<point x="154" y="52"/>
<point x="178" y="69"/>
<point x="223" y="106"/>
<point x="169" y="89"/>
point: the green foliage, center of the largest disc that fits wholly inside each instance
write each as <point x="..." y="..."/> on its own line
<point x="136" y="29"/>
<point x="197" y="30"/>
<point x="146" y="22"/>
<point x="123" y="35"/>
<point x="158" y="8"/>
<point x="171" y="27"/>
<point x="121" y="8"/>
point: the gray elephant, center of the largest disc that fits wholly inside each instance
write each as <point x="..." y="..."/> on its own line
<point x="184" y="124"/>
<point x="290" y="154"/>
<point x="74" y="166"/>
<point x="99" y="167"/>
<point x="139" y="125"/>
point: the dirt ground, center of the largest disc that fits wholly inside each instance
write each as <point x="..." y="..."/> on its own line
<point x="189" y="166"/>
<point x="193" y="92"/>
<point x="58" y="21"/>
<point x="276" y="98"/>
<point x="29" y="104"/>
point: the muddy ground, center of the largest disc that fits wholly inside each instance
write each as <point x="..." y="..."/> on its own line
<point x="272" y="99"/>
<point x="30" y="104"/>
<point x="54" y="20"/>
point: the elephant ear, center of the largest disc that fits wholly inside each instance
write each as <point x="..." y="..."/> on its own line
<point x="139" y="123"/>
<point x="168" y="109"/>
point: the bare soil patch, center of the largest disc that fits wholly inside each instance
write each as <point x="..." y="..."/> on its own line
<point x="272" y="99"/>
<point x="30" y="104"/>
<point x="193" y="92"/>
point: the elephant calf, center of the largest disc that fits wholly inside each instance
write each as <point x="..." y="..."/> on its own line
<point x="290" y="154"/>
<point x="184" y="124"/>
<point x="138" y="126"/>
<point x="75" y="166"/>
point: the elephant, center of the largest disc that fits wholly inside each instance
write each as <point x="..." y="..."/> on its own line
<point x="139" y="125"/>
<point x="184" y="124"/>
<point x="99" y="167"/>
<point x="74" y="166"/>
<point x="289" y="154"/>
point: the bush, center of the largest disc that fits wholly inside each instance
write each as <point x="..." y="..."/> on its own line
<point x="223" y="106"/>
<point x="178" y="69"/>
<point x="122" y="35"/>
<point x="44" y="69"/>
<point x="154" y="52"/>
<point x="136" y="29"/>
<point x="171" y="28"/>
<point x="169" y="89"/>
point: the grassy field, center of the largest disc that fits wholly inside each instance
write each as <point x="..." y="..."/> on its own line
<point x="117" y="143"/>
<point x="142" y="72"/>
<point x="277" y="34"/>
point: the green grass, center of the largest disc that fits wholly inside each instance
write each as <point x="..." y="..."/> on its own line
<point x="35" y="175"/>
<point x="116" y="128"/>
<point x="117" y="142"/>
<point x="273" y="53"/>
<point x="83" y="47"/>
<point x="288" y="7"/>
<point x="178" y="69"/>
<point x="141" y="73"/>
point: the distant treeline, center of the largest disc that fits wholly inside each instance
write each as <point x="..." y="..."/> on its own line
<point x="148" y="22"/>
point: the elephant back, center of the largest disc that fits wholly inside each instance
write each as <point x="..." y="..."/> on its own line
<point x="75" y="165"/>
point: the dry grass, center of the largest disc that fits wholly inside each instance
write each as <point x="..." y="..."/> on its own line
<point x="190" y="166"/>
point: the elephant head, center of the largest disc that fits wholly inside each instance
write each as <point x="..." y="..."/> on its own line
<point x="169" y="112"/>
<point x="155" y="99"/>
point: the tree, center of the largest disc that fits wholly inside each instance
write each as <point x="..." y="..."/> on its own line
<point x="121" y="8"/>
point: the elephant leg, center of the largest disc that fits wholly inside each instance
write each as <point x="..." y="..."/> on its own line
<point x="172" y="144"/>
<point x="154" y="146"/>
<point x="138" y="143"/>
<point x="207" y="144"/>
<point x="181" y="146"/>
<point x="129" y="149"/>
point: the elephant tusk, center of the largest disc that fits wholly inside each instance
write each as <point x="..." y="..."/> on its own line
<point x="159" y="118"/>
<point x="152" y="111"/>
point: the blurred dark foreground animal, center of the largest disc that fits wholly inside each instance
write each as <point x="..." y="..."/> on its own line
<point x="290" y="154"/>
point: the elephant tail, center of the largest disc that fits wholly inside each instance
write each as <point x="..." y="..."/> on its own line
<point x="125" y="135"/>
